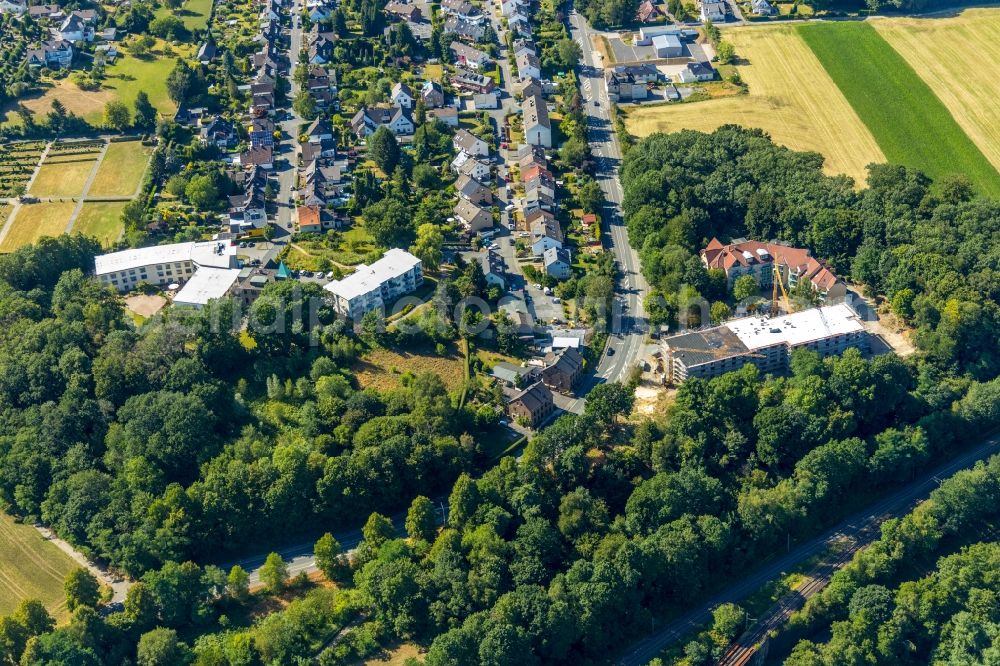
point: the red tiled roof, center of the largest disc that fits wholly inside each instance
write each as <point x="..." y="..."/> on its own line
<point x="794" y="259"/>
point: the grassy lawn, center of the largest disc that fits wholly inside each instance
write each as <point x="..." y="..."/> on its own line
<point x="791" y="97"/>
<point x="36" y="220"/>
<point x="121" y="171"/>
<point x="129" y="75"/>
<point x="909" y="122"/>
<point x="193" y="13"/>
<point x="63" y="176"/>
<point x="936" y="48"/>
<point x="383" y="368"/>
<point x="31" y="568"/>
<point x="101" y="220"/>
<point x="4" y="212"/>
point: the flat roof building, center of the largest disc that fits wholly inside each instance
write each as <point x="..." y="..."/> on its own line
<point x="161" y="265"/>
<point x="207" y="284"/>
<point x="373" y="287"/>
<point x="767" y="342"/>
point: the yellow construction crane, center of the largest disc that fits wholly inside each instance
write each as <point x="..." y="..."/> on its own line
<point x="776" y="279"/>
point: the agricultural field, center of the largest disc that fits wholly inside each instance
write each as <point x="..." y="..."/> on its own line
<point x="31" y="568"/>
<point x="101" y="220"/>
<point x="36" y="220"/>
<point x="66" y="169"/>
<point x="911" y="125"/>
<point x="791" y="97"/>
<point x="938" y="51"/>
<point x="17" y="163"/>
<point x="120" y="174"/>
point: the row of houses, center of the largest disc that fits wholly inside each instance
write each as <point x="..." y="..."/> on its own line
<point x="474" y="207"/>
<point x="539" y="208"/>
<point x="528" y="389"/>
<point x="322" y="178"/>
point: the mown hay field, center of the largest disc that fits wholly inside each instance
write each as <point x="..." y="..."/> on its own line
<point x="121" y="170"/>
<point x="36" y="220"/>
<point x="911" y="125"/>
<point x="63" y="175"/>
<point x="31" y="568"/>
<point x="791" y="97"/>
<point x="959" y="58"/>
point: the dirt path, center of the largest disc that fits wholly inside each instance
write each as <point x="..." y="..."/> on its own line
<point x="86" y="186"/>
<point x="117" y="584"/>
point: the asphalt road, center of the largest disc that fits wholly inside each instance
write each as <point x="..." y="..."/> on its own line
<point x="861" y="530"/>
<point x="628" y="320"/>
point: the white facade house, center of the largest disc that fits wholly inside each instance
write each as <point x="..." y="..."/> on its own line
<point x="374" y="287"/>
<point x="402" y="96"/>
<point x="467" y="142"/>
<point x="161" y="265"/>
<point x="537" y="127"/>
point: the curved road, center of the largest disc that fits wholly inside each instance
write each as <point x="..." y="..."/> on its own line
<point x="860" y="530"/>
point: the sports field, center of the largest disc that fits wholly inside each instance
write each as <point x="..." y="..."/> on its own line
<point x="959" y="58"/>
<point x="63" y="175"/>
<point x="30" y="568"/>
<point x="101" y="220"/>
<point x="121" y="171"/>
<point x="911" y="125"/>
<point x="791" y="97"/>
<point x="36" y="220"/>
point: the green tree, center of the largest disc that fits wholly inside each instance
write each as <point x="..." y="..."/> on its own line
<point x="727" y="621"/>
<point x="383" y="149"/>
<point x="745" y="288"/>
<point x="181" y="83"/>
<point x="590" y="195"/>
<point x="720" y="312"/>
<point x="463" y="501"/>
<point x="202" y="192"/>
<point x="330" y="558"/>
<point x="116" y="115"/>
<point x="145" y="112"/>
<point x="428" y="246"/>
<point x="725" y="52"/>
<point x="607" y="402"/>
<point x="305" y="104"/>
<point x="81" y="589"/>
<point x="274" y="573"/>
<point x="161" y="647"/>
<point x="390" y="223"/>
<point x="377" y="531"/>
<point x="421" y="519"/>
<point x="238" y="583"/>
<point x="568" y="53"/>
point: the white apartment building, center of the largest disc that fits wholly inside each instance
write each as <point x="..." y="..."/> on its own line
<point x="372" y="287"/>
<point x="161" y="265"/>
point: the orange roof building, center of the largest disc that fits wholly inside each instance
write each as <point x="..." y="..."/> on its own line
<point x="749" y="257"/>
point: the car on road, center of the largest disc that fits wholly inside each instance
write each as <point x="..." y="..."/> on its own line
<point x="611" y="351"/>
<point x="556" y="300"/>
<point x="242" y="244"/>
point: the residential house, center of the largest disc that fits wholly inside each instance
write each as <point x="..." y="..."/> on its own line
<point x="519" y="25"/>
<point x="749" y="257"/>
<point x="713" y="10"/>
<point x="514" y="376"/>
<point x="251" y="284"/>
<point x="319" y="129"/>
<point x="762" y="8"/>
<point x="314" y="219"/>
<point x="474" y="218"/>
<point x="312" y="152"/>
<point x="532" y="406"/>
<point x="523" y="45"/>
<point x="375" y="287"/>
<point x="528" y="66"/>
<point x="465" y="164"/>
<point x="493" y="268"/>
<point x="448" y="115"/>
<point x="469" y="143"/>
<point x="525" y="88"/>
<point x="464" y="29"/>
<point x="219" y="132"/>
<point x="368" y="119"/>
<point x="248" y="211"/>
<point x="207" y="52"/>
<point x="75" y="28"/>
<point x="537" y="127"/>
<point x="404" y="11"/>
<point x="260" y="156"/>
<point x="433" y="94"/>
<point x="53" y="54"/>
<point x="630" y="83"/>
<point x="16" y="7"/>
<point x="697" y="71"/>
<point x="402" y="96"/>
<point x="472" y="190"/>
<point x="648" y="12"/>
<point x="45" y="12"/>
<point x="463" y="79"/>
<point x="545" y="231"/>
<point x="322" y="87"/>
<point x="462" y="9"/>
<point x="562" y="370"/>
<point x="537" y="198"/>
<point x="558" y="263"/>
<point x="467" y="56"/>
<point x="511" y="7"/>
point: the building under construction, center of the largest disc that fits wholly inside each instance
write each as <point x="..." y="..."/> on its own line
<point x="767" y="342"/>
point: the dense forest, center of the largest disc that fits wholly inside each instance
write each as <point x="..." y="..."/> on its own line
<point x="931" y="248"/>
<point x="878" y="611"/>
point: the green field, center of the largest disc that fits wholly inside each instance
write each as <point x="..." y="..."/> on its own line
<point x="30" y="568"/>
<point x="101" y="220"/>
<point x="908" y="121"/>
<point x="129" y="75"/>
<point x="193" y="13"/>
<point x="121" y="170"/>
